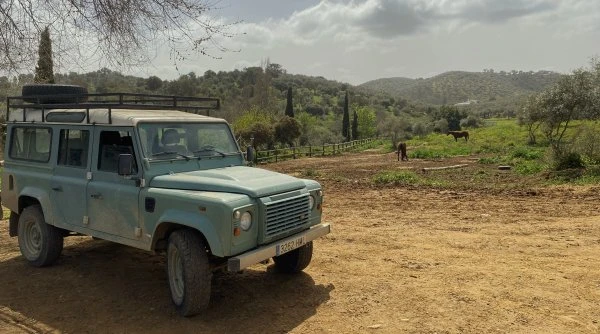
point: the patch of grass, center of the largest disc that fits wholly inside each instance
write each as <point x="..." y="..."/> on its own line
<point x="527" y="167"/>
<point x="490" y="160"/>
<point x="396" y="178"/>
<point x="527" y="153"/>
<point x="377" y="143"/>
<point x="310" y="173"/>
<point x="407" y="178"/>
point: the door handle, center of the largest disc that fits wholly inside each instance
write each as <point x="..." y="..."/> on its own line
<point x="96" y="196"/>
<point x="57" y="188"/>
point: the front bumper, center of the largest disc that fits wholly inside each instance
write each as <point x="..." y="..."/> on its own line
<point x="242" y="261"/>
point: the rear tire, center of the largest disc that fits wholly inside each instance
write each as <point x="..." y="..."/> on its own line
<point x="40" y="243"/>
<point x="189" y="272"/>
<point x="294" y="261"/>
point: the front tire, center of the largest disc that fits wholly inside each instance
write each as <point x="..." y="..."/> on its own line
<point x="40" y="243"/>
<point x="189" y="272"/>
<point x="294" y="261"/>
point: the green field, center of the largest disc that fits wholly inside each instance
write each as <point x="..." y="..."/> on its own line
<point x="499" y="142"/>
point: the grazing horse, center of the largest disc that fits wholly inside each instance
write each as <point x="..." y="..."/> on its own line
<point x="402" y="152"/>
<point x="459" y="134"/>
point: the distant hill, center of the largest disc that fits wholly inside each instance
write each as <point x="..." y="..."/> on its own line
<point x="457" y="86"/>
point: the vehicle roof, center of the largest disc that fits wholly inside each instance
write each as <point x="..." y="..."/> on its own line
<point x="118" y="117"/>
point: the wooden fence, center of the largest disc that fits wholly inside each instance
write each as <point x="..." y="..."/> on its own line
<point x="262" y="157"/>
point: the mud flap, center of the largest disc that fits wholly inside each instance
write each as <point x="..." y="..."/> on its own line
<point x="13" y="224"/>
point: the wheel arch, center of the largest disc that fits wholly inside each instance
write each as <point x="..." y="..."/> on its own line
<point x="32" y="196"/>
<point x="178" y="220"/>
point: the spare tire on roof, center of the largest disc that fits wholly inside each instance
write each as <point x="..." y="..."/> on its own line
<point x="53" y="94"/>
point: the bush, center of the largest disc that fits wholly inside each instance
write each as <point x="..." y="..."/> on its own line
<point x="471" y="121"/>
<point x="570" y="160"/>
<point x="587" y="143"/>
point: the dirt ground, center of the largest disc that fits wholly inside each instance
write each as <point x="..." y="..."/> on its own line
<point x="398" y="260"/>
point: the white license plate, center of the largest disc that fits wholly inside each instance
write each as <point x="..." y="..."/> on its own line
<point x="287" y="246"/>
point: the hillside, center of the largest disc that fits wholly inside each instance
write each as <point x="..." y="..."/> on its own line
<point x="457" y="86"/>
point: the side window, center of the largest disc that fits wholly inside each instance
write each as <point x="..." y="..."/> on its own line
<point x="73" y="147"/>
<point x="113" y="144"/>
<point x="31" y="143"/>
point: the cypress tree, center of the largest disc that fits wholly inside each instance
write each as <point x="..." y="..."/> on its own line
<point x="346" y="120"/>
<point x="289" y="108"/>
<point x="355" y="126"/>
<point x="44" y="72"/>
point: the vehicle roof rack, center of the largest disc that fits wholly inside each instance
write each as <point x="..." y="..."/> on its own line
<point x="111" y="101"/>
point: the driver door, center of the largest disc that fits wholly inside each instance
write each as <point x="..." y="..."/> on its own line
<point x="113" y="199"/>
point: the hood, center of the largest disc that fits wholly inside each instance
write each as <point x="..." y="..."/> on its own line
<point x="254" y="182"/>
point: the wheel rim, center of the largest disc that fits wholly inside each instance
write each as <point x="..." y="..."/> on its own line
<point x="32" y="241"/>
<point x="175" y="264"/>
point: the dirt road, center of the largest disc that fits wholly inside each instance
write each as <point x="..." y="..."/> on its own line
<point x="398" y="260"/>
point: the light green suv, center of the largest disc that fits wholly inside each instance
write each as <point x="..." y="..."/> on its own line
<point x="136" y="170"/>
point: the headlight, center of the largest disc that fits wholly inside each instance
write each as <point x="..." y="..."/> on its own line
<point x="246" y="221"/>
<point x="311" y="202"/>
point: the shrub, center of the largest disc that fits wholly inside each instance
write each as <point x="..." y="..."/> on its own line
<point x="526" y="153"/>
<point x="587" y="143"/>
<point x="570" y="160"/>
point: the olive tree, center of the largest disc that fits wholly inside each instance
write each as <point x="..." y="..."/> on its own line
<point x="569" y="99"/>
<point x="118" y="33"/>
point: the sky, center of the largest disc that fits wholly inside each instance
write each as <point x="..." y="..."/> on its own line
<point x="362" y="40"/>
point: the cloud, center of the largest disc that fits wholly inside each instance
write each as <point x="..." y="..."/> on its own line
<point x="390" y="19"/>
<point x="355" y="41"/>
<point x="493" y="11"/>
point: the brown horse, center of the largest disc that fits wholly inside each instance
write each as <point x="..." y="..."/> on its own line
<point x="402" y="152"/>
<point x="459" y="134"/>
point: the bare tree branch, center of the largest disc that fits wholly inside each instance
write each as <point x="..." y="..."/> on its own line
<point x="116" y="33"/>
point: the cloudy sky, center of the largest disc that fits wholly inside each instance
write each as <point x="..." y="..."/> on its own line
<point x="361" y="40"/>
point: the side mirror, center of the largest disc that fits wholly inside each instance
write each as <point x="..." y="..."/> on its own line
<point x="125" y="167"/>
<point x="250" y="155"/>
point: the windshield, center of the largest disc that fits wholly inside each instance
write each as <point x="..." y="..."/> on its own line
<point x="186" y="140"/>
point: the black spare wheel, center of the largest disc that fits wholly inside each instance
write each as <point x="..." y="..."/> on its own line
<point x="53" y="94"/>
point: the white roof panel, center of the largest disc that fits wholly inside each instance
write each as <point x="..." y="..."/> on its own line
<point x="119" y="117"/>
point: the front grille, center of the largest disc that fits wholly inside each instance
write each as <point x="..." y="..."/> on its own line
<point x="286" y="215"/>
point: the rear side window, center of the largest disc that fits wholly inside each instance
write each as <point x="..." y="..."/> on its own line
<point x="31" y="143"/>
<point x="73" y="148"/>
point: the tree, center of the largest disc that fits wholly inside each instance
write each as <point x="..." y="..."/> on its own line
<point x="287" y="130"/>
<point x="44" y="72"/>
<point x="119" y="33"/>
<point x="367" y="121"/>
<point x="452" y="116"/>
<point x="355" y="126"/>
<point x="153" y="83"/>
<point x="531" y="117"/>
<point x="346" y="119"/>
<point x="569" y="99"/>
<point x="289" y="107"/>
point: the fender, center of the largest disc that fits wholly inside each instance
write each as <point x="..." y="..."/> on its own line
<point x="194" y="221"/>
<point x="42" y="197"/>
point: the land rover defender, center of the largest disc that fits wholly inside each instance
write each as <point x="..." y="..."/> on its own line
<point x="151" y="172"/>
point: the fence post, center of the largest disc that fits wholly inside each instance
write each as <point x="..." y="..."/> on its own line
<point x="310" y="151"/>
<point x="276" y="155"/>
<point x="294" y="152"/>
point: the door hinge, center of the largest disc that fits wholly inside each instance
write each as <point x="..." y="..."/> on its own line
<point x="88" y="175"/>
<point x="138" y="232"/>
<point x="86" y="220"/>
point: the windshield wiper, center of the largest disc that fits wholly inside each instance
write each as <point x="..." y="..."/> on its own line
<point x="157" y="154"/>
<point x="209" y="148"/>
